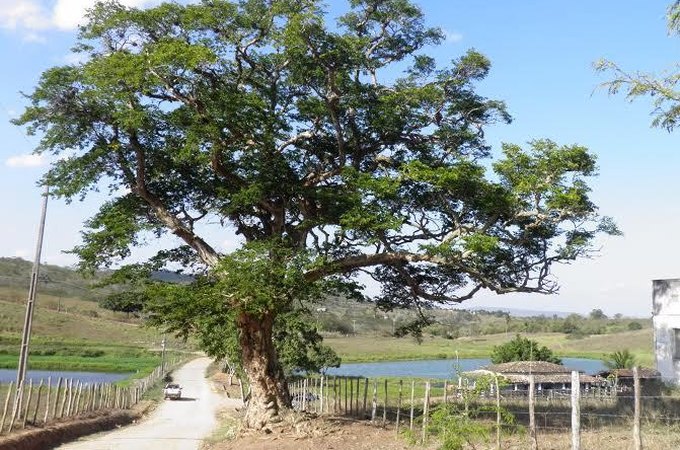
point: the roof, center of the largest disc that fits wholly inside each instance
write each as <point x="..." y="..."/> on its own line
<point x="564" y="377"/>
<point x="528" y="367"/>
<point x="643" y="372"/>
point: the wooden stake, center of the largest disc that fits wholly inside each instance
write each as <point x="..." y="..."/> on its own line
<point x="28" y="402"/>
<point x="365" y="405"/>
<point x="426" y="408"/>
<point x="357" y="411"/>
<point x="351" y="396"/>
<point x="345" y="389"/>
<point x="637" y="437"/>
<point x="575" y="411"/>
<point x="375" y="401"/>
<point x="4" y="410"/>
<point x="47" y="399"/>
<point x="384" y="421"/>
<point x="37" y="403"/>
<point x="56" y="399"/>
<point x="446" y="392"/>
<point x="532" y="418"/>
<point x="413" y="391"/>
<point x="401" y="385"/>
<point x="498" y="413"/>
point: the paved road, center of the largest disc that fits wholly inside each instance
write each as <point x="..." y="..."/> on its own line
<point x="174" y="425"/>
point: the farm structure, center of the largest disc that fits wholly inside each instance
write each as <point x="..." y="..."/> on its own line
<point x="547" y="376"/>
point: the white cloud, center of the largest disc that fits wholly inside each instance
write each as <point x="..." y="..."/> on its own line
<point x="68" y="14"/>
<point x="33" y="16"/>
<point x="29" y="160"/>
<point x="23" y="14"/>
<point x="452" y="37"/>
<point x="21" y="253"/>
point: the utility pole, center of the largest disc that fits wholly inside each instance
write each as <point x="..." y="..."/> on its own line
<point x="30" y="303"/>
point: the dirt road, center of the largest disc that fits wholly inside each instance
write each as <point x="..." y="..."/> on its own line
<point x="174" y="425"/>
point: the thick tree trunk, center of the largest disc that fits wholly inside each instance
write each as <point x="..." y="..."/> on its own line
<point x="268" y="387"/>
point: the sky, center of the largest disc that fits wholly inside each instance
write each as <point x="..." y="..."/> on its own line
<point x="542" y="56"/>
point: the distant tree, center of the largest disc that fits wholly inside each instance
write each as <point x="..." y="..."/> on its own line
<point x="623" y="359"/>
<point x="597" y="314"/>
<point x="633" y="326"/>
<point x="129" y="302"/>
<point x="522" y="349"/>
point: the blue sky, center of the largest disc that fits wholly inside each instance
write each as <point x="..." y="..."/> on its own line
<point x="542" y="54"/>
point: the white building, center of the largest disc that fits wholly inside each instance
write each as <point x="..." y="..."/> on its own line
<point x="666" y="320"/>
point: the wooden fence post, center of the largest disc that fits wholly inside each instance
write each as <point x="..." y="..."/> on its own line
<point x="345" y="395"/>
<point x="321" y="392"/>
<point x="413" y="390"/>
<point x="446" y="392"/>
<point x="365" y="406"/>
<point x="498" y="413"/>
<point x="375" y="401"/>
<point x="4" y="410"/>
<point x="47" y="399"/>
<point x="401" y="385"/>
<point x="575" y="411"/>
<point x="384" y="421"/>
<point x="37" y="403"/>
<point x="356" y="398"/>
<point x="28" y="402"/>
<point x="532" y="417"/>
<point x="57" y="394"/>
<point x="335" y="395"/>
<point x="351" y="396"/>
<point x="637" y="438"/>
<point x="426" y="407"/>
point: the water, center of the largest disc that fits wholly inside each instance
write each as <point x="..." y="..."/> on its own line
<point x="7" y="375"/>
<point x="442" y="368"/>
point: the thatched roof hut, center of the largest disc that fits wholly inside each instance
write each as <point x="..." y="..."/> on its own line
<point x="518" y="372"/>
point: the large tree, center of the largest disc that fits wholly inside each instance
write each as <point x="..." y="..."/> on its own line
<point x="333" y="150"/>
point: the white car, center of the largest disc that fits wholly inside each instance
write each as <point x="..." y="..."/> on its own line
<point x="172" y="391"/>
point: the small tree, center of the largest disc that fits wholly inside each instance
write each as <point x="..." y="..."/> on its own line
<point x="597" y="314"/>
<point x="129" y="302"/>
<point x="522" y="349"/>
<point x="622" y="359"/>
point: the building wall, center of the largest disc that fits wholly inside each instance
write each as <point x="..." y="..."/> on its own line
<point x="666" y="319"/>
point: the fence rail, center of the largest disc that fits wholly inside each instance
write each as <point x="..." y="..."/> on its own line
<point x="53" y="399"/>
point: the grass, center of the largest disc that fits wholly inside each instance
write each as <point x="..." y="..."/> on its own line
<point x="380" y="348"/>
<point x="69" y="333"/>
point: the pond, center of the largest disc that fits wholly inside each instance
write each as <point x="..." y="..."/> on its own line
<point x="441" y="368"/>
<point x="7" y="375"/>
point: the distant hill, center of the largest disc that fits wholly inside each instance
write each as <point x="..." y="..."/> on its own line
<point x="55" y="280"/>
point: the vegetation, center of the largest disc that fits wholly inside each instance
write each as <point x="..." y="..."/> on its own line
<point x="622" y="359"/>
<point x="381" y="348"/>
<point x="522" y="349"/>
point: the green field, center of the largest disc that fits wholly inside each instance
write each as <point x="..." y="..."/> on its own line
<point x="381" y="348"/>
<point x="74" y="334"/>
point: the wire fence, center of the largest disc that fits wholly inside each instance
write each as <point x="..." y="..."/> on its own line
<point x="51" y="400"/>
<point x="408" y="404"/>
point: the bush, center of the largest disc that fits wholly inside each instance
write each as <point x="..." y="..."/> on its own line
<point x="632" y="326"/>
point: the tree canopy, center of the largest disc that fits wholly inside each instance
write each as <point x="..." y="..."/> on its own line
<point x="332" y="149"/>
<point x="522" y="349"/>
